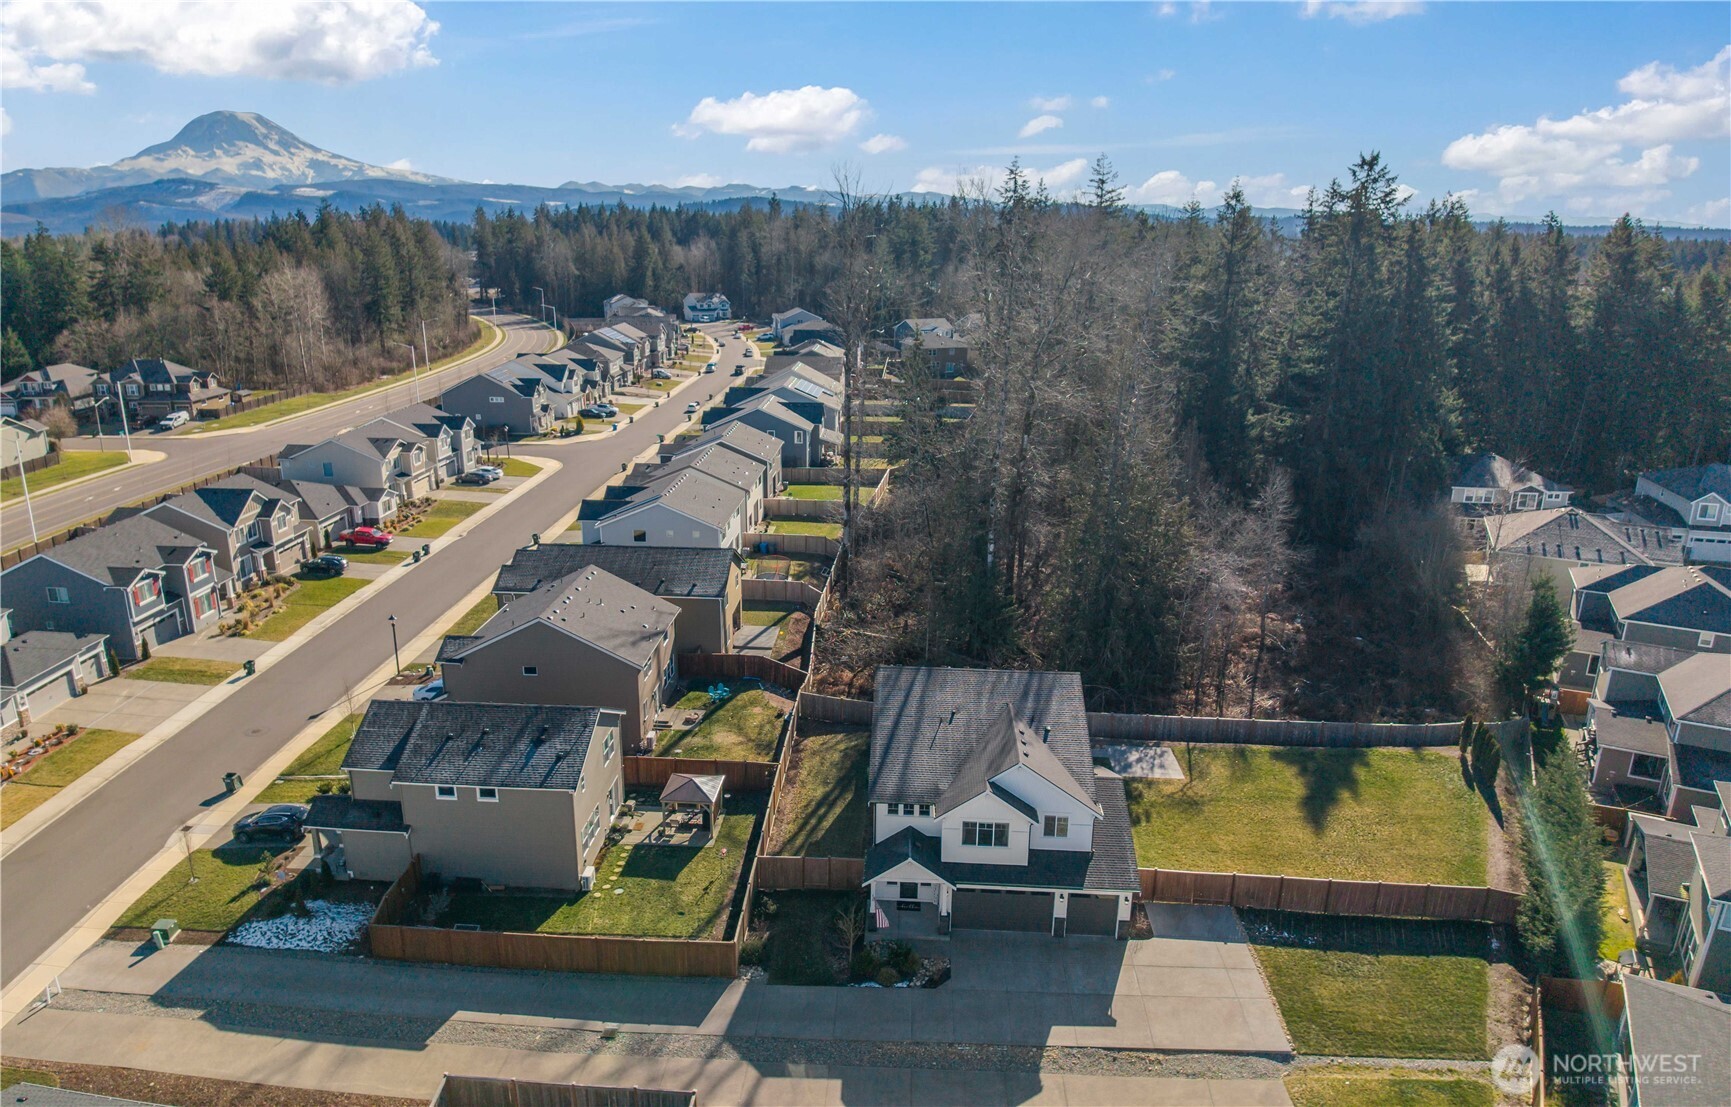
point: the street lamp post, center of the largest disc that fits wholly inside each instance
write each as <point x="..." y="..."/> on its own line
<point x="397" y="657"/>
<point x="413" y="366"/>
<point x="426" y="354"/>
<point x="125" y="429"/>
<point x="543" y="292"/>
<point x="24" y="485"/>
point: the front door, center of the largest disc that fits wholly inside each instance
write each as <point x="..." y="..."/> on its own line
<point x="909" y="890"/>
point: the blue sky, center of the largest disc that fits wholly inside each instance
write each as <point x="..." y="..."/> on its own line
<point x="1588" y="109"/>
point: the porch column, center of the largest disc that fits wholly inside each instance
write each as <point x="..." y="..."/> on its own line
<point x="1060" y="914"/>
<point x="944" y="894"/>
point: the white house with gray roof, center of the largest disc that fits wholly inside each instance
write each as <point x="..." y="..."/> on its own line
<point x="1491" y="482"/>
<point x="383" y="464"/>
<point x="1659" y="722"/>
<point x="1695" y="501"/>
<point x="742" y="439"/>
<point x="706" y="307"/>
<point x="987" y="811"/>
<point x="686" y="507"/>
<point x="804" y="441"/>
<point x="748" y="474"/>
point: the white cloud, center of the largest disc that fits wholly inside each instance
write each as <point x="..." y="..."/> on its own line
<point x="1587" y="156"/>
<point x="42" y="44"/>
<point x="699" y="180"/>
<point x="786" y="121"/>
<point x="1037" y="124"/>
<point x="884" y="144"/>
<point x="1169" y="186"/>
<point x="1159" y="75"/>
<point x="1059" y="179"/>
<point x="1100" y="102"/>
<point x="1713" y="213"/>
<point x="1198" y="11"/>
<point x="1361" y="11"/>
<point x="1051" y="103"/>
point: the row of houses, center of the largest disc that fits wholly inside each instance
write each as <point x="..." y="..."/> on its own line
<point x="150" y="388"/>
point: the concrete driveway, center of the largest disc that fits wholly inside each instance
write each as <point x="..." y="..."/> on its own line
<point x="133" y="706"/>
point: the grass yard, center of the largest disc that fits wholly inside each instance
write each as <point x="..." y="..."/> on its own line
<point x="743" y="728"/>
<point x="1619" y="929"/>
<point x="12" y="1074"/>
<point x="57" y="769"/>
<point x="1352" y="987"/>
<point x="663" y="891"/>
<point x="1571" y="1036"/>
<point x="1359" y="814"/>
<point x="371" y="557"/>
<point x="313" y="597"/>
<point x="73" y="464"/>
<point x="1341" y="1086"/>
<point x="484" y="609"/>
<point x="228" y="887"/>
<point x="802" y="934"/>
<point x="766" y="613"/>
<point x="813" y="491"/>
<point x="323" y="758"/>
<point x="183" y="670"/>
<point x="824" y="814"/>
<point x="629" y="409"/>
<point x="791" y="566"/>
<point x="441" y="517"/>
<point x="804" y="526"/>
<point x="657" y="386"/>
<point x="517" y="467"/>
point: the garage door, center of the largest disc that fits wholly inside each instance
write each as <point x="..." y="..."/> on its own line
<point x="1092" y="915"/>
<point x="164" y="630"/>
<point x="979" y="909"/>
<point x="56" y="691"/>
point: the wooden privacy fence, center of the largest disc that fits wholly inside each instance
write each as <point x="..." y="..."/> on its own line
<point x="810" y="874"/>
<point x="834" y="709"/>
<point x="9" y="466"/>
<point x="738" y="666"/>
<point x="496" y="1091"/>
<point x="1104" y="726"/>
<point x="1613" y="818"/>
<point x="759" y="541"/>
<point x="790" y="508"/>
<point x="1323" y="896"/>
<point x="391" y="941"/>
<point x="1603" y="997"/>
<point x="742" y="776"/>
<point x="780" y="591"/>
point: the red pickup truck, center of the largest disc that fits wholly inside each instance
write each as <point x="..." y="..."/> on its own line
<point x="367" y="536"/>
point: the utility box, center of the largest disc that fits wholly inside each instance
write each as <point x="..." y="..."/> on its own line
<point x="231" y="782"/>
<point x="162" y="932"/>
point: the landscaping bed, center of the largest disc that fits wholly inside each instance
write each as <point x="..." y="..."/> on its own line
<point x="811" y="569"/>
<point x="823" y="801"/>
<point x="318" y="770"/>
<point x="1351" y="987"/>
<point x="294" y="608"/>
<point x="1619" y="928"/>
<point x="60" y="758"/>
<point x="1358" y="814"/>
<point x="742" y="727"/>
<point x="182" y="670"/>
<point x="646" y="891"/>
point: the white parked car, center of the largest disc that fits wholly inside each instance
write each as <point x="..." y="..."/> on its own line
<point x="692" y="408"/>
<point x="429" y="692"/>
<point x="173" y="421"/>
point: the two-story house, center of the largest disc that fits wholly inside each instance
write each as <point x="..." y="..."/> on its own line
<point x="782" y="321"/>
<point x="452" y="445"/>
<point x="706" y="307"/>
<point x="1490" y="482"/>
<point x="1660" y="722"/>
<point x="255" y="528"/>
<point x="563" y="377"/>
<point x="621" y="304"/>
<point x="1685" y="607"/>
<point x="685" y="508"/>
<point x="987" y="811"/>
<point x="63" y="385"/>
<point x="1671" y="1046"/>
<point x="41" y="669"/>
<point x="1679" y="889"/>
<point x="326" y="510"/>
<point x="748" y="442"/>
<point x="745" y="473"/>
<point x="608" y="364"/>
<point x="22" y="441"/>
<point x="511" y="399"/>
<point x="704" y="583"/>
<point x="804" y="442"/>
<point x="585" y="639"/>
<point x="1555" y="542"/>
<point x="1695" y="502"/>
<point x="151" y="388"/>
<point x="137" y="580"/>
<point x="386" y="468"/>
<point x="909" y="331"/>
<point x="805" y="392"/>
<point x="513" y="794"/>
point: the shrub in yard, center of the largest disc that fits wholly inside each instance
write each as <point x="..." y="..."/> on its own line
<point x="889" y="977"/>
<point x="324" y="788"/>
<point x="864" y="965"/>
<point x="144" y="649"/>
<point x="1560" y="922"/>
<point x="901" y="957"/>
<point x="751" y="950"/>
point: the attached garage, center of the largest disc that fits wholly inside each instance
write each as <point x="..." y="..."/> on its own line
<point x="52" y="693"/>
<point x="1092" y="915"/>
<point x="995" y="909"/>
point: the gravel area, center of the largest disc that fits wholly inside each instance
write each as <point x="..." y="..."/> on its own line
<point x="328" y="926"/>
<point x="198" y="1091"/>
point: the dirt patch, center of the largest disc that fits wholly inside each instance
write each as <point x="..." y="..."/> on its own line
<point x="198" y="1091"/>
<point x="1510" y="997"/>
<point x="1502" y="843"/>
<point x="790" y="646"/>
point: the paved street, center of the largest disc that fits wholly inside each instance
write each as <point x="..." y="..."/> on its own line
<point x="48" y="883"/>
<point x="190" y="456"/>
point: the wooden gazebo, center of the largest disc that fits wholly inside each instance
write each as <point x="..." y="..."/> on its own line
<point x="689" y="792"/>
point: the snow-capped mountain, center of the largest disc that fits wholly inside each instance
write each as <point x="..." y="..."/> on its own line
<point x="233" y="148"/>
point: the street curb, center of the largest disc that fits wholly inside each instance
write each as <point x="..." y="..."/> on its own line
<point x="139" y="457"/>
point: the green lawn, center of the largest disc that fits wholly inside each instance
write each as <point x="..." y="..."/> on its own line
<point x="1619" y="930"/>
<point x="323" y="758"/>
<point x="55" y="770"/>
<point x="662" y="891"/>
<point x="359" y="556"/>
<point x="744" y="728"/>
<point x="183" y="670"/>
<point x="813" y="491"/>
<point x="295" y="405"/>
<point x="228" y="886"/>
<point x="1570" y="1038"/>
<point x="792" y="566"/>
<point x="12" y="1074"/>
<point x="656" y="386"/>
<point x="518" y="467"/>
<point x="802" y="933"/>
<point x="1359" y="814"/>
<point x="471" y="621"/>
<point x="824" y="814"/>
<point x="73" y="464"/>
<point x="1349" y="1087"/>
<point x="629" y="409"/>
<point x="443" y="515"/>
<point x="766" y="613"/>
<point x="312" y="598"/>
<point x="804" y="526"/>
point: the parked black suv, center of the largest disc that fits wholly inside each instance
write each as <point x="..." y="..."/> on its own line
<point x="282" y="821"/>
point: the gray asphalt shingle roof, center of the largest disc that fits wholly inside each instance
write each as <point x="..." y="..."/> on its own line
<point x="118" y="552"/>
<point x="1496" y="471"/>
<point x="590" y="604"/>
<point x="1670" y="855"/>
<point x="27" y="656"/>
<point x="762" y="445"/>
<point x="334" y="812"/>
<point x="1694" y="482"/>
<point x="659" y="570"/>
<point x="1671" y="1020"/>
<point x="489" y="744"/>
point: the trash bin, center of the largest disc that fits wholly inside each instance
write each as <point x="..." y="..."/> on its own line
<point x="231" y="782"/>
<point x="426" y="549"/>
<point x="251" y="668"/>
<point x="162" y="932"/>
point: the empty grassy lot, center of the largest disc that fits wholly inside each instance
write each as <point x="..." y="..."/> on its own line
<point x="1344" y="1086"/>
<point x="55" y="770"/>
<point x="744" y="728"/>
<point x="441" y="517"/>
<point x="803" y="942"/>
<point x="824" y="814"/>
<point x="183" y="670"/>
<point x="310" y="599"/>
<point x="73" y="464"/>
<point x="323" y="758"/>
<point x="1359" y="814"/>
<point x="228" y="887"/>
<point x="645" y="891"/>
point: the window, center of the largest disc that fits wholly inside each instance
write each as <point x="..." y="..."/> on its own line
<point x="1647" y="768"/>
<point x="1706" y="513"/>
<point x="986" y="834"/>
<point x="1057" y="826"/>
<point x="200" y="568"/>
<point x="607" y="746"/>
<point x="798" y="437"/>
<point x="925" y="810"/>
<point x="328" y="470"/>
<point x="1706" y="640"/>
<point x="530" y="670"/>
<point x="639" y="536"/>
<point x="487" y="795"/>
<point x="59" y="595"/>
<point x="495" y="399"/>
<point x="591" y="827"/>
<point x="254" y="531"/>
<point x="445" y="791"/>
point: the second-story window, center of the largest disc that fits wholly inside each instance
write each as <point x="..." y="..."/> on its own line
<point x="1057" y="826"/>
<point x="996" y="835"/>
<point x="607" y="747"/>
<point x="59" y="595"/>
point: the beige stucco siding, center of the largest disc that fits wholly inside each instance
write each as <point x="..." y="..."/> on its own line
<point x="527" y="839"/>
<point x="373" y="854"/>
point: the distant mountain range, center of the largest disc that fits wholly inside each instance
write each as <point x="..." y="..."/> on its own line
<point x="240" y="165"/>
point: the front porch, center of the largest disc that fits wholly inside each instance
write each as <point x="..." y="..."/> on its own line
<point x="908" y="921"/>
